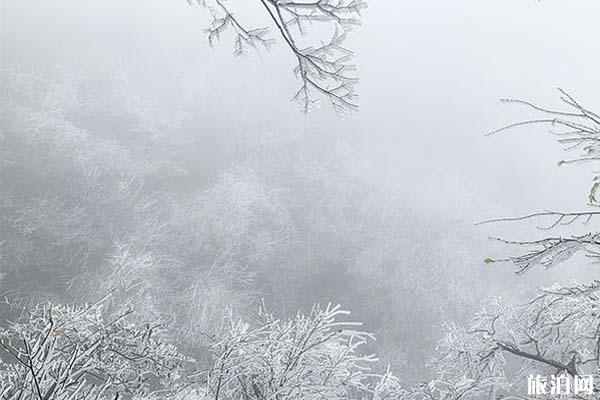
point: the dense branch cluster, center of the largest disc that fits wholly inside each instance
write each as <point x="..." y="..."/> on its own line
<point x="324" y="66"/>
<point x="556" y="332"/>
<point x="314" y="356"/>
<point x="75" y="353"/>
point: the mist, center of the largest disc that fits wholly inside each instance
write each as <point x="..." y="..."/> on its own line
<point x="136" y="159"/>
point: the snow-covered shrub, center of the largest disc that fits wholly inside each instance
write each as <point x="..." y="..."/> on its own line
<point x="65" y="352"/>
<point x="312" y="356"/>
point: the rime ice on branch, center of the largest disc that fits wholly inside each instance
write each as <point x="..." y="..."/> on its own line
<point x="323" y="64"/>
<point x="578" y="130"/>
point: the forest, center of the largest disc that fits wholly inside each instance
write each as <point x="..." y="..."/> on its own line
<point x="195" y="204"/>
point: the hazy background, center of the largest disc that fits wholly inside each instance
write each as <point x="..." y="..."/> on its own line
<point x="431" y="75"/>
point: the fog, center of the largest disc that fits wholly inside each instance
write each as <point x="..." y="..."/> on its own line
<point x="319" y="207"/>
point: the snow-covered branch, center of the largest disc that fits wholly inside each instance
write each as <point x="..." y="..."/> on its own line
<point x="324" y="69"/>
<point x="65" y="352"/>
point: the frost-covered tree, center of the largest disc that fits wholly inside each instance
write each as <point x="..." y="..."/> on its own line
<point x="84" y="211"/>
<point x="314" y="31"/>
<point x="75" y="353"/>
<point x="236" y="230"/>
<point x="99" y="194"/>
<point x="578" y="130"/>
<point x="555" y="333"/>
<point x="358" y="241"/>
<point x="54" y="177"/>
<point x="312" y="356"/>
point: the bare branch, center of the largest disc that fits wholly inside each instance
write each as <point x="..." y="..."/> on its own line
<point x="561" y="218"/>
